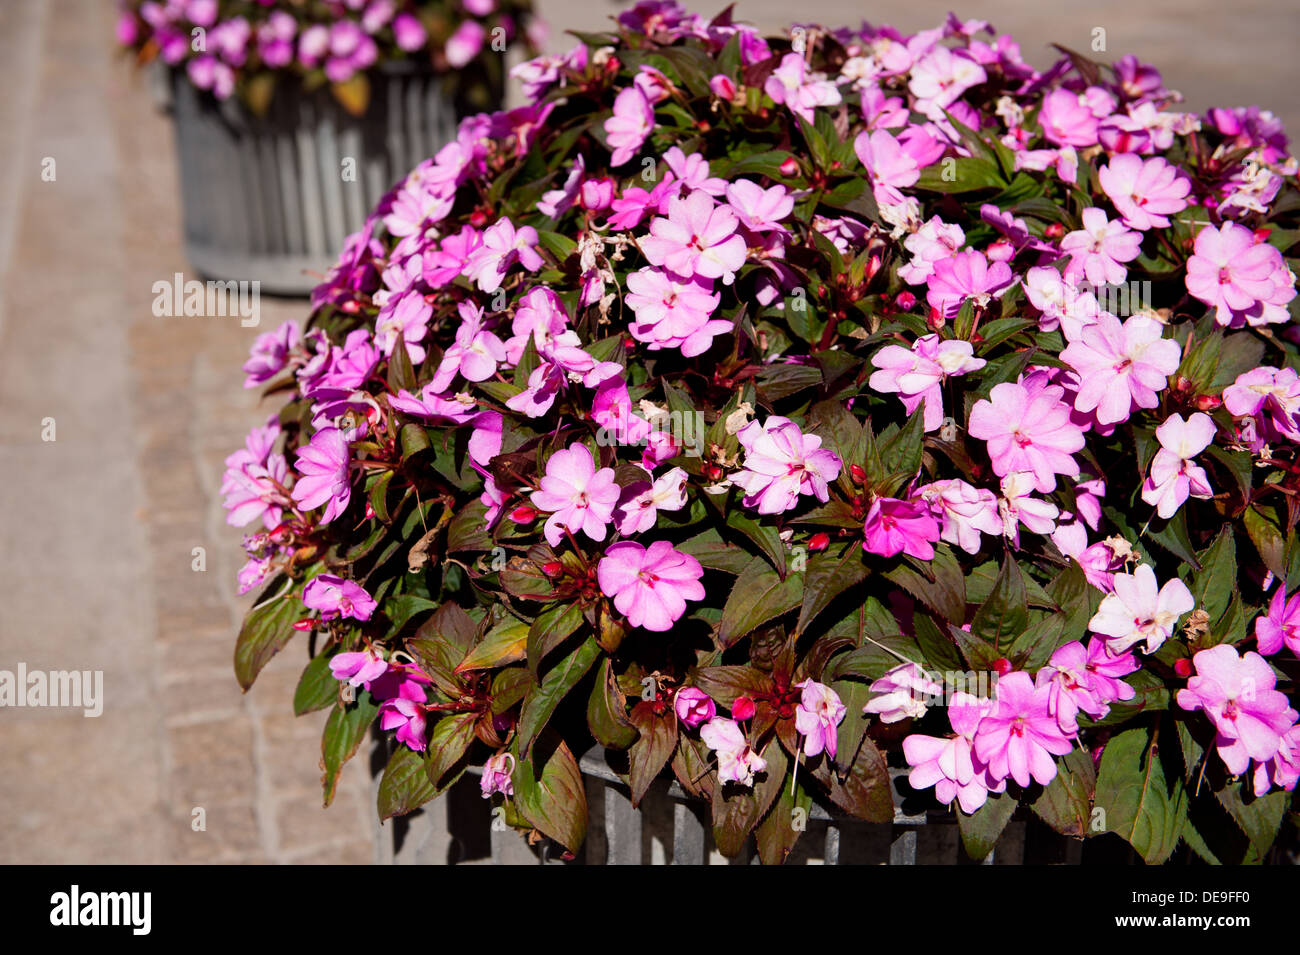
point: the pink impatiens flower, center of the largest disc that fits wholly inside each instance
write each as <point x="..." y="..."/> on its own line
<point x="950" y="765"/>
<point x="673" y="312"/>
<point x="474" y="355"/>
<point x="963" y="511"/>
<point x="895" y="527"/>
<point x="323" y="468"/>
<point x="579" y="497"/>
<point x="1140" y="611"/>
<point x="503" y="247"/>
<point x="800" y="91"/>
<point x="698" y="238"/>
<point x="1067" y="120"/>
<point x="1280" y="625"/>
<point x="1145" y="192"/>
<point x="917" y="374"/>
<point x="1237" y="692"/>
<point x="1019" y="737"/>
<point x="1097" y="250"/>
<point x="358" y="669"/>
<point x="1243" y="280"/>
<point x="1121" y="366"/>
<point x="966" y="275"/>
<point x="650" y="585"/>
<point x="737" y="763"/>
<point x="1028" y="429"/>
<point x="335" y="597"/>
<point x="905" y="692"/>
<point x="1173" y="476"/>
<point x="1071" y="688"/>
<point x="1272" y="397"/>
<point x="693" y="706"/>
<point x="781" y="463"/>
<point x="1017" y="506"/>
<point x="819" y="713"/>
<point x="627" y="129"/>
<point x="496" y="775"/>
<point x="640" y="502"/>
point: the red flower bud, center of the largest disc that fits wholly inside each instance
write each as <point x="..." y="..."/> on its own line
<point x="306" y="623"/>
<point x="1208" y="402"/>
<point x="742" y="709"/>
<point x="905" y="301"/>
<point x="552" y="568"/>
<point x="1054" y="231"/>
<point x="789" y="167"/>
<point x="819" y="541"/>
<point x="1183" y="667"/>
<point x="713" y="472"/>
<point x="524" y="514"/>
<point x="1262" y="234"/>
<point x="857" y="475"/>
<point x="1002" y="666"/>
<point x="935" y="319"/>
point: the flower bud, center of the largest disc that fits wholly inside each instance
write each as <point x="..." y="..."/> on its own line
<point x="1002" y="666"/>
<point x="306" y="623"/>
<point x="1054" y="231"/>
<point x="857" y="475"/>
<point x="742" y="708"/>
<point x="1183" y="667"/>
<point x="722" y="87"/>
<point x="1208" y="402"/>
<point x="789" y="167"/>
<point x="552" y="568"/>
<point x="819" y="541"/>
<point x="904" y="301"/>
<point x="1262" y="234"/>
<point x="693" y="706"/>
<point x="524" y="514"/>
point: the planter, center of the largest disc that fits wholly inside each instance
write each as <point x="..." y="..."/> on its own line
<point x="272" y="198"/>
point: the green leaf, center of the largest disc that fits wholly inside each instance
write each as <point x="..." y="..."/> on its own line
<point x="715" y="554"/>
<point x="1141" y="806"/>
<point x="541" y="701"/>
<point x="1005" y="614"/>
<point x="781" y="828"/>
<point x="1066" y="803"/>
<point x="607" y="711"/>
<point x="405" y="785"/>
<point x="505" y="643"/>
<point x="939" y="583"/>
<point x="549" y="792"/>
<point x="758" y="596"/>
<point x="826" y="578"/>
<point x="551" y="628"/>
<point x="400" y="373"/>
<point x="266" y="630"/>
<point x="957" y="175"/>
<point x="765" y="537"/>
<point x="981" y="830"/>
<point x="448" y="744"/>
<point x="1260" y="818"/>
<point x="1215" y="584"/>
<point x="1267" y="539"/>
<point x="654" y="746"/>
<point x="344" y="731"/>
<point x="317" y="687"/>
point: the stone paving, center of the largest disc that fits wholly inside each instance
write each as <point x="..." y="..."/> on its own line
<point x="100" y="524"/>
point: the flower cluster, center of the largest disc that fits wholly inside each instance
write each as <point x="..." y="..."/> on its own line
<point x="736" y="400"/>
<point x="230" y="46"/>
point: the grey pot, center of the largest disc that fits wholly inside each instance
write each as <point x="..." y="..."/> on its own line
<point x="272" y="198"/>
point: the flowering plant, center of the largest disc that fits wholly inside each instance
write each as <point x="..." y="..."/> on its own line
<point x="780" y="410"/>
<point x="242" y="47"/>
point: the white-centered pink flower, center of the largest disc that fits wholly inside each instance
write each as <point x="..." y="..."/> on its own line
<point x="799" y="90"/>
<point x="1028" y="429"/>
<point x="1145" y="192"/>
<point x="1245" y="281"/>
<point x="579" y="497"/>
<point x="650" y="585"/>
<point x="1139" y="611"/>
<point x="1098" y="250"/>
<point x="737" y="762"/>
<point x="781" y="463"/>
<point x="817" y="717"/>
<point x="698" y="238"/>
<point x="1121" y="366"/>
<point x="627" y="129"/>
<point x="917" y="374"/>
<point x="1174" y="477"/>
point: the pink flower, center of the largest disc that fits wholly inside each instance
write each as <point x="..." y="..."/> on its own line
<point x="917" y="374"/>
<point x="963" y="511"/>
<point x="1028" y="430"/>
<point x="407" y="716"/>
<point x="1141" y="612"/>
<point x="895" y="527"/>
<point x="1070" y="687"/>
<point x="801" y="92"/>
<point x="465" y="44"/>
<point x="270" y="354"/>
<point x="503" y="246"/>
<point x="672" y="312"/>
<point x="934" y="241"/>
<point x="474" y="355"/>
<point x="580" y="497"/>
<point x="1097" y="249"/>
<point x="692" y="171"/>
<point x="1280" y="625"/>
<point x="737" y="763"/>
<point x="759" y="209"/>
<point x="950" y="765"/>
<point x="358" y="669"/>
<point x="1237" y="693"/>
<point x="611" y="408"/>
<point x="640" y="502"/>
<point x="1018" y="506"/>
<point x="693" y="706"/>
<point x="966" y="275"/>
<point x="1019" y="737"/>
<point x="1105" y="670"/>
<point x="650" y="586"/>
<point x="496" y="775"/>
<point x="1173" y="476"/>
<point x="323" y="468"/>
<point x="889" y="166"/>
<point x="1121" y="366"/>
<point x="1245" y="282"/>
<point x="627" y="129"/>
<point x="335" y="597"/>
<point x="781" y="463"/>
<point x="1283" y="769"/>
<point x="697" y="239"/>
<point x="817" y="716"/>
<point x="941" y="76"/>
<point x="1067" y="120"/>
<point x="1272" y="397"/>
<point x="1144" y="193"/>
<point x="905" y="692"/>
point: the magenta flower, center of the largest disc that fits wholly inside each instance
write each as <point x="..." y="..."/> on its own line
<point x="1121" y="366"/>
<point x="474" y="355"/>
<point x="579" y="497"/>
<point x="1280" y="625"/>
<point x="781" y="463"/>
<point x="1283" y="769"/>
<point x="1139" y="611"/>
<point x="1067" y="120"/>
<point x="904" y="692"/>
<point x="323" y="474"/>
<point x="672" y="312"/>
<point x="1097" y="250"/>
<point x="611" y="408"/>
<point x="935" y="240"/>
<point x="1019" y="737"/>
<point x="1272" y="397"/>
<point x="1237" y="693"/>
<point x="697" y="239"/>
<point x="895" y="527"/>
<point x="1144" y="192"/>
<point x="966" y="275"/>
<point x="1173" y="476"/>
<point x="737" y="763"/>
<point x="1244" y="281"/>
<point x="816" y="718"/>
<point x="270" y="354"/>
<point x="627" y="129"/>
<point x="917" y="374"/>
<point x="503" y="247"/>
<point x="358" y="669"/>
<point x="950" y="765"/>
<point x="650" y="586"/>
<point x="408" y="718"/>
<point x="335" y="598"/>
<point x="1071" y="688"/>
<point x="465" y="44"/>
<point x="496" y="775"/>
<point x="889" y="166"/>
<point x="800" y="91"/>
<point x="693" y="706"/>
<point x="1018" y="506"/>
<point x="1028" y="430"/>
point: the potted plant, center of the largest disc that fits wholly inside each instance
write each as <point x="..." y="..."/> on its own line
<point x="293" y="118"/>
<point x="782" y="410"/>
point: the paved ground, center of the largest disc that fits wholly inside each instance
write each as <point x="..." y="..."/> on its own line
<point x="100" y="524"/>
